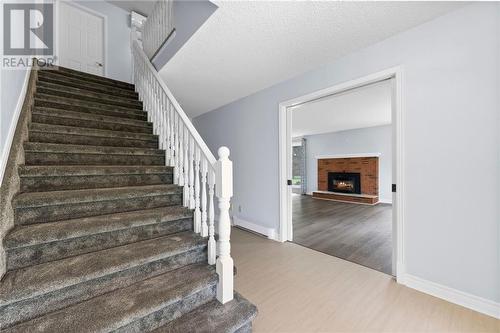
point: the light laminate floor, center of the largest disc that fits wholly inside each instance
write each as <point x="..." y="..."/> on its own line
<point x="297" y="289"/>
<point x="358" y="233"/>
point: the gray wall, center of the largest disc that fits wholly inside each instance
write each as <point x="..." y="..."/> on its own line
<point x="451" y="125"/>
<point x="366" y="140"/>
<point x="119" y="58"/>
<point x="11" y="82"/>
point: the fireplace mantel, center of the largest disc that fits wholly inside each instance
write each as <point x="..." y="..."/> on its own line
<point x="322" y="157"/>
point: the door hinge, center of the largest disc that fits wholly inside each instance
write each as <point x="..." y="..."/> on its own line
<point x="394" y="188"/>
<point x="289" y="182"/>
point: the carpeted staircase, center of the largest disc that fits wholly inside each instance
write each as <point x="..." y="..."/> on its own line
<point x="101" y="241"/>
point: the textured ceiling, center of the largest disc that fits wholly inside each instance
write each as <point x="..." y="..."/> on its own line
<point x="359" y="108"/>
<point x="247" y="46"/>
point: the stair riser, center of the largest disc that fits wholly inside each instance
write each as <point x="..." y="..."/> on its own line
<point x="92" y="78"/>
<point x="37" y="254"/>
<point x="59" y="183"/>
<point x="87" y="104"/>
<point x="170" y="312"/>
<point x="75" y="122"/>
<point x="53" y="301"/>
<point x="132" y="114"/>
<point x="29" y="215"/>
<point x="44" y="158"/>
<point x="63" y="138"/>
<point x="103" y="89"/>
<point x="91" y="97"/>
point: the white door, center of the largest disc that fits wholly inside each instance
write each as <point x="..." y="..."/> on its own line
<point x="81" y="39"/>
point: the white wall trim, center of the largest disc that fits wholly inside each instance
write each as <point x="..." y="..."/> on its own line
<point x="285" y="143"/>
<point x="385" y="200"/>
<point x="13" y="125"/>
<point x="268" y="232"/>
<point x="319" y="157"/>
<point x="455" y="296"/>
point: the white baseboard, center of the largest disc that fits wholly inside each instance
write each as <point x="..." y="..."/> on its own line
<point x="386" y="201"/>
<point x="268" y="232"/>
<point x="13" y="125"/>
<point x="467" y="300"/>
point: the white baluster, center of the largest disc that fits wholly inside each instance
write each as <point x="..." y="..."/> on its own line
<point x="212" y="246"/>
<point x="167" y="128"/>
<point x="186" y="167"/>
<point x="181" y="154"/>
<point x="224" y="192"/>
<point x="161" y="128"/>
<point x="192" y="200"/>
<point x="197" y="212"/>
<point x="152" y="99"/>
<point x="175" y="130"/>
<point x="171" y="131"/>
<point x="203" y="216"/>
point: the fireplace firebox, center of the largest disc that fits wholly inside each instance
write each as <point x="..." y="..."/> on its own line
<point x="344" y="182"/>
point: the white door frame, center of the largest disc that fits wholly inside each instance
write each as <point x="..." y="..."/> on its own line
<point x="57" y="9"/>
<point x="285" y="156"/>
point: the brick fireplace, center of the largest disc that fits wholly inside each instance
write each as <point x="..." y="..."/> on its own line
<point x="349" y="179"/>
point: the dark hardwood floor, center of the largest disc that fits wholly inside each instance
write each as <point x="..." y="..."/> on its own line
<point x="357" y="233"/>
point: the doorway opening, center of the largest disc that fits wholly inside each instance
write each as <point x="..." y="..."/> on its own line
<point x="340" y="162"/>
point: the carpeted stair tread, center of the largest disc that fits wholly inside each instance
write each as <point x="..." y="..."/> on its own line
<point x="81" y="87"/>
<point x="37" y="153"/>
<point x="42" y="178"/>
<point x="83" y="149"/>
<point x="72" y="121"/>
<point x="45" y="76"/>
<point x="43" y="207"/>
<point x="82" y="116"/>
<point x="84" y="131"/>
<point x="44" y="278"/>
<point x="53" y="198"/>
<point x="86" y="170"/>
<point x="23" y="236"/>
<point x="84" y="91"/>
<point x="76" y="102"/>
<point x="135" y="308"/>
<point x="48" y="133"/>
<point x="66" y="72"/>
<point x="43" y="242"/>
<point x="90" y="96"/>
<point x="214" y="317"/>
<point x="106" y="110"/>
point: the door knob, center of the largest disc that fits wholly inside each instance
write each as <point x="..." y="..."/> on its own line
<point x="98" y="64"/>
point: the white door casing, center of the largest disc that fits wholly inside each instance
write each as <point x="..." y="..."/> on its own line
<point x="81" y="36"/>
<point x="285" y="157"/>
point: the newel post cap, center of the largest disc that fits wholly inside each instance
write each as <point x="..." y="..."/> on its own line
<point x="223" y="153"/>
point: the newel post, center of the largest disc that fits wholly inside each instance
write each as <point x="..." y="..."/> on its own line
<point x="224" y="192"/>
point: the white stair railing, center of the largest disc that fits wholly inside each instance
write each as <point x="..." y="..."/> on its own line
<point x="193" y="164"/>
<point x="158" y="27"/>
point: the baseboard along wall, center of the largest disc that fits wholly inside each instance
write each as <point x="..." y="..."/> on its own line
<point x="473" y="302"/>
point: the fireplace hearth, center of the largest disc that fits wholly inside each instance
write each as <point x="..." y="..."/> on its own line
<point x="344" y="182"/>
